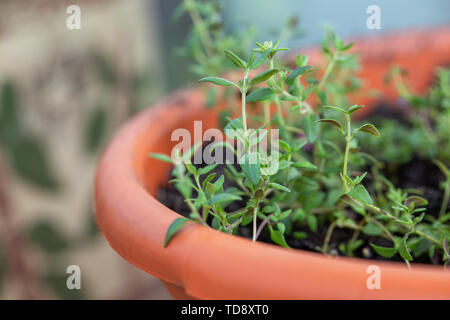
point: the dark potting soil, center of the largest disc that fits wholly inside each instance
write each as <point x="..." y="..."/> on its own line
<point x="416" y="174"/>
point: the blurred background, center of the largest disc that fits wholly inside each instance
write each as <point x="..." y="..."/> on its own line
<point x="63" y="93"/>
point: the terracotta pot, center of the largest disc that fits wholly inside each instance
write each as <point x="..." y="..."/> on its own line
<point x="206" y="264"/>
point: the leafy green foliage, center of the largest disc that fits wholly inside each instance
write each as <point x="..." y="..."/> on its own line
<point x="325" y="177"/>
<point x="219" y="81"/>
<point x="176" y="225"/>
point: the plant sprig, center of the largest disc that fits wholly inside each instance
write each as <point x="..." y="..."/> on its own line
<point x="321" y="182"/>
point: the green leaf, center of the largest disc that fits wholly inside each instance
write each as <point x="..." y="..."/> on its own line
<point x="295" y="74"/>
<point x="235" y="130"/>
<point x="312" y="222"/>
<point x="264" y="76"/>
<point x="176" y="225"/>
<point x="278" y="237"/>
<point x="207" y="169"/>
<point x="209" y="187"/>
<point x="359" y="179"/>
<point x="236" y="60"/>
<point x="310" y="124"/>
<point x="383" y="251"/>
<point x="219" y="81"/>
<point x="284" y="145"/>
<point x="353" y="245"/>
<point x="251" y="167"/>
<point x="335" y="108"/>
<point x="418" y="201"/>
<point x="219" y="182"/>
<point x="354" y="108"/>
<point x="371" y="229"/>
<point x="300" y="235"/>
<point x="160" y="156"/>
<point x="369" y="128"/>
<point x="281" y="227"/>
<point x="251" y="60"/>
<point x="191" y="168"/>
<point x="279" y="187"/>
<point x="285" y="214"/>
<point x="334" y="123"/>
<point x="260" y="94"/>
<point x="224" y="197"/>
<point x="301" y="60"/>
<point x="261" y="59"/>
<point x="360" y="193"/>
<point x="445" y="170"/>
<point x="404" y="250"/>
<point x="347" y="47"/>
<point x="304" y="165"/>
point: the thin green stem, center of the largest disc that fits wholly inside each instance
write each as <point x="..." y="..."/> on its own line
<point x="267" y="114"/>
<point x="244" y="106"/>
<point x="193" y="209"/>
<point x="446" y="199"/>
<point x="328" y="237"/>
<point x="233" y="225"/>
<point x="347" y="149"/>
<point x="327" y="72"/>
<point x="410" y="228"/>
<point x="280" y="111"/>
<point x="382" y="227"/>
<point x="255" y="216"/>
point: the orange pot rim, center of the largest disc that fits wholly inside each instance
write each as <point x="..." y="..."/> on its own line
<point x="209" y="264"/>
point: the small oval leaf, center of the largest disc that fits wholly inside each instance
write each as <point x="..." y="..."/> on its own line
<point x="295" y="74"/>
<point x="279" y="187"/>
<point x="335" y="109"/>
<point x="360" y="193"/>
<point x="160" y="156"/>
<point x="354" y="108"/>
<point x="404" y="250"/>
<point x="260" y="94"/>
<point x="333" y="122"/>
<point x="224" y="197"/>
<point x="264" y="76"/>
<point x="219" y="81"/>
<point x="383" y="251"/>
<point x="235" y="59"/>
<point x="176" y="225"/>
<point x="278" y="237"/>
<point x="369" y="128"/>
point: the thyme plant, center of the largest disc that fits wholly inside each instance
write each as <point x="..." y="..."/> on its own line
<point x="323" y="178"/>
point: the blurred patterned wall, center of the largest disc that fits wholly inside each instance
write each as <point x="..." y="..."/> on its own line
<point x="62" y="94"/>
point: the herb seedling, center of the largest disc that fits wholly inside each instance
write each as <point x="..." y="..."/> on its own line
<point x="317" y="187"/>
